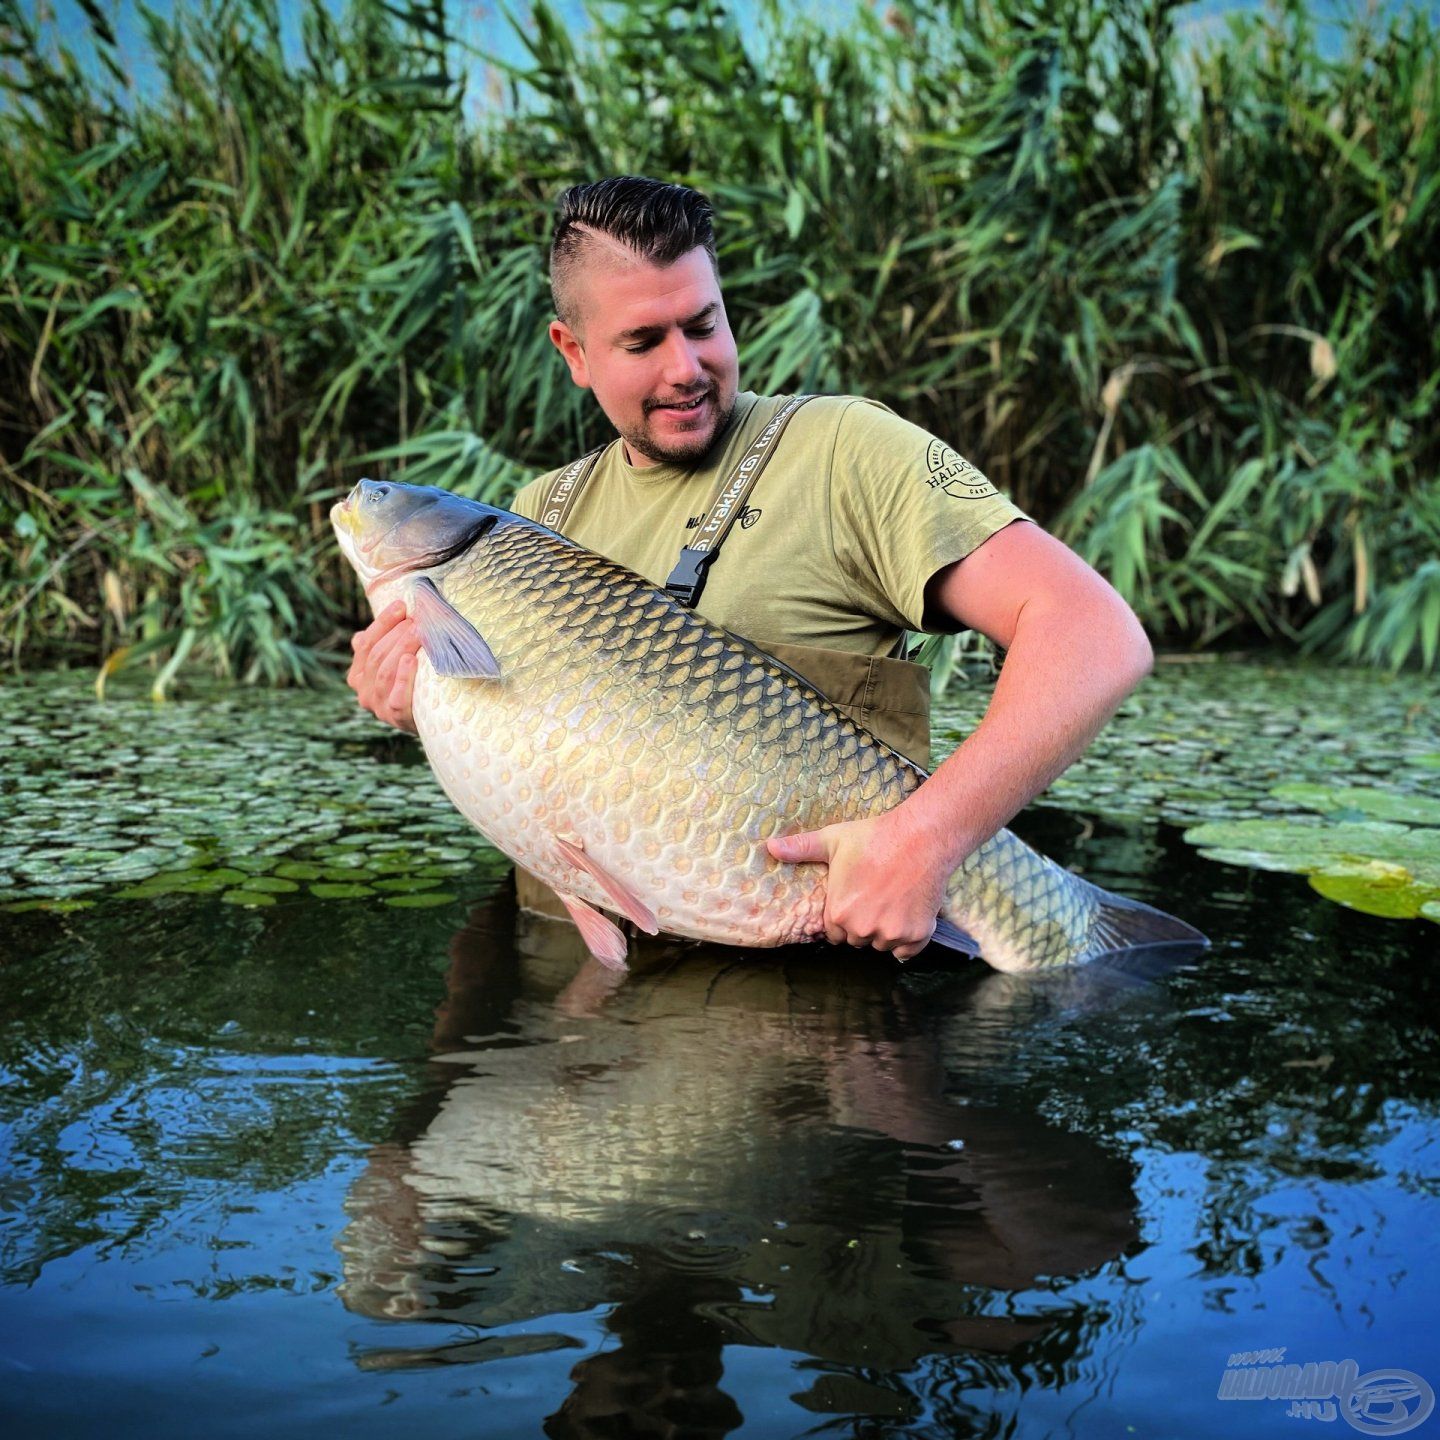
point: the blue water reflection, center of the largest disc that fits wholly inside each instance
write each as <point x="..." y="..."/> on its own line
<point x="434" y="1171"/>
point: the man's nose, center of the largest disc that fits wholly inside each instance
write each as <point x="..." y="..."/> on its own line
<point x="682" y="362"/>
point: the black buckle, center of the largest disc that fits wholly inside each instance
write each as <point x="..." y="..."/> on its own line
<point x="687" y="579"/>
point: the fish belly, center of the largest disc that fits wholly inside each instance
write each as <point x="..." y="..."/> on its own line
<point x="686" y="838"/>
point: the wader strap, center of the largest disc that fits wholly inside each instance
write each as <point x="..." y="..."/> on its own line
<point x="687" y="579"/>
<point x="566" y="487"/>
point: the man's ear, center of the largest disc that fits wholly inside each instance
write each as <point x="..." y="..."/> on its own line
<point x="564" y="339"/>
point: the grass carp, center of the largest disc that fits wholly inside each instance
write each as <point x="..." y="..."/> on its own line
<point x="636" y="757"/>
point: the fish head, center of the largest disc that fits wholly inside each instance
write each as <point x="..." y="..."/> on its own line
<point x="388" y="530"/>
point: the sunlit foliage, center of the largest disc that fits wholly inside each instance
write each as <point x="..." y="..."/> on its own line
<point x="1176" y="293"/>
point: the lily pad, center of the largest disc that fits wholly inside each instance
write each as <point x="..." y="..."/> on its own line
<point x="1377" y="804"/>
<point x="420" y="902"/>
<point x="298" y="870"/>
<point x="1391" y="896"/>
<point x="56" y="907"/>
<point x="1381" y="867"/>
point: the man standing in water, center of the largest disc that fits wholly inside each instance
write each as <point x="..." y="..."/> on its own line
<point x="862" y="526"/>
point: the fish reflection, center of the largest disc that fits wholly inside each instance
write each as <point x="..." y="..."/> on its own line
<point x="718" y="1150"/>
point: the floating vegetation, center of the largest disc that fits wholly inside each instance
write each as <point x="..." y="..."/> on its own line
<point x="251" y="797"/>
<point x="1359" y="854"/>
<point x="1247" y="753"/>
<point x="260" y="798"/>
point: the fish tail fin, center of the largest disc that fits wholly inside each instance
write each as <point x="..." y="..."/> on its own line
<point x="1120" y="926"/>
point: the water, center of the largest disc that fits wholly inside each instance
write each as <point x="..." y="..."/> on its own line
<point x="281" y="1042"/>
<point x="346" y="1168"/>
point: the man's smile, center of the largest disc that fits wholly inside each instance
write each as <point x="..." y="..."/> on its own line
<point x="681" y="407"/>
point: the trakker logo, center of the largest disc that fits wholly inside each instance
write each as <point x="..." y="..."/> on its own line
<point x="954" y="474"/>
<point x="560" y="493"/>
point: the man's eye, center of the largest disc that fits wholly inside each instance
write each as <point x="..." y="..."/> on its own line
<point x="699" y="332"/>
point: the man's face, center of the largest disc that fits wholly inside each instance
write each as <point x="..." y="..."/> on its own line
<point x="654" y="345"/>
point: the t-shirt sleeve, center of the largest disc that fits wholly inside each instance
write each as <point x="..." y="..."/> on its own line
<point x="903" y="505"/>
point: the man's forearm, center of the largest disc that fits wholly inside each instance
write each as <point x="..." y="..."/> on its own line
<point x="1064" y="675"/>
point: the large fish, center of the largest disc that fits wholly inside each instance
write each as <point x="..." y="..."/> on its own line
<point x="636" y="757"/>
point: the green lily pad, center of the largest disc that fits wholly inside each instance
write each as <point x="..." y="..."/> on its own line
<point x="1377" y="866"/>
<point x="271" y="884"/>
<point x="251" y="897"/>
<point x="247" y="897"/>
<point x="339" y="892"/>
<point x="1251" y="859"/>
<point x="253" y="864"/>
<point x="1376" y="804"/>
<point x="1394" y="899"/>
<point x="225" y="875"/>
<point x="407" y="885"/>
<point x="420" y="902"/>
<point x="336" y="869"/>
<point x="298" y="870"/>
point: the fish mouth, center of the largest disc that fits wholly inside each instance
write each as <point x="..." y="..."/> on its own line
<point x="342" y="515"/>
<point x="345" y="517"/>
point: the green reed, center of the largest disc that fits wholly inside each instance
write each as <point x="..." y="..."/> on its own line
<point x="1176" y="294"/>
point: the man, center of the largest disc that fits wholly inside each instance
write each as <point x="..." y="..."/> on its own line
<point x="862" y="526"/>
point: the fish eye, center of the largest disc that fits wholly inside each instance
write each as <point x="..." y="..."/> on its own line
<point x="376" y="494"/>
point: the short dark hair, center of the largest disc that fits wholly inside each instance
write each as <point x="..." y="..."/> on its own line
<point x="658" y="221"/>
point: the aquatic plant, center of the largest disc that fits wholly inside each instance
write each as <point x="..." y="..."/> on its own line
<point x="1174" y="291"/>
<point x="127" y="801"/>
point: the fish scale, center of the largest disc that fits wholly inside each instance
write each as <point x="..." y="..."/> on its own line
<point x="663" y="751"/>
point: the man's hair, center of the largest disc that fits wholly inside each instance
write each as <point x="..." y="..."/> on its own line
<point x="659" y="222"/>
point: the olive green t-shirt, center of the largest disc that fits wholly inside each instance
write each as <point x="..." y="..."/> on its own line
<point x="855" y="512"/>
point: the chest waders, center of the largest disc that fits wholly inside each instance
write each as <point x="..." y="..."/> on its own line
<point x="890" y="697"/>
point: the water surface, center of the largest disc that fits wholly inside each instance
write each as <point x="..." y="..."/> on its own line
<point x="327" y="1164"/>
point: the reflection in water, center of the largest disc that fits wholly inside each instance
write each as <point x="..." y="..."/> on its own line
<point x="719" y="1151"/>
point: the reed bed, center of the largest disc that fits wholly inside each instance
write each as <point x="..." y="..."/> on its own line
<point x="1175" y="291"/>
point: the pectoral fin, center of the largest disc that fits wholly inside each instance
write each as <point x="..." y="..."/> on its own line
<point x="626" y="901"/>
<point x="602" y="939"/>
<point x="948" y="933"/>
<point x="455" y="647"/>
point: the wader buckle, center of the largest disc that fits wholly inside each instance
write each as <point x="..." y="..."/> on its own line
<point x="687" y="579"/>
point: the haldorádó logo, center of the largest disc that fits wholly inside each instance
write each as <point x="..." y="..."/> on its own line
<point x="1380" y="1402"/>
<point x="954" y="474"/>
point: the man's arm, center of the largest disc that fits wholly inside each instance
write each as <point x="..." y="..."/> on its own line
<point x="1074" y="651"/>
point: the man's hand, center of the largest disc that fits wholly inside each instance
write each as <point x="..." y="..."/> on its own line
<point x="886" y="883"/>
<point x="383" y="672"/>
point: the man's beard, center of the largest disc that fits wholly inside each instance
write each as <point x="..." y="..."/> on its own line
<point x="684" y="452"/>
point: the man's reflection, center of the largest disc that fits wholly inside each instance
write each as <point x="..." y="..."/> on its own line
<point x="720" y="1149"/>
